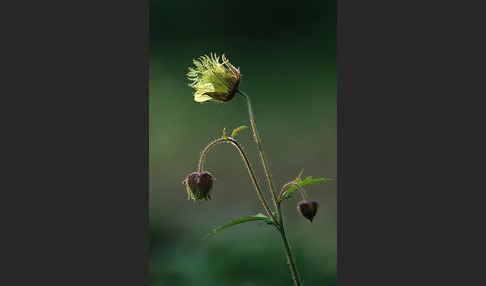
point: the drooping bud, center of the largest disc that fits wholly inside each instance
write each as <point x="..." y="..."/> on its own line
<point x="191" y="182"/>
<point x="307" y="209"/>
<point x="205" y="184"/>
<point x="198" y="185"/>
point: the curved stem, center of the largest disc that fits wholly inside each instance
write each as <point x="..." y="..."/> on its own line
<point x="284" y="187"/>
<point x="248" y="166"/>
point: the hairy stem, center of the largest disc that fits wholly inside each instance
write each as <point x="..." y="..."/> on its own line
<point x="248" y="167"/>
<point x="288" y="253"/>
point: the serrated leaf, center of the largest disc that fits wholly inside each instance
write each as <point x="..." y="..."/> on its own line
<point x="257" y="217"/>
<point x="236" y="130"/>
<point x="306" y="182"/>
<point x="310" y="181"/>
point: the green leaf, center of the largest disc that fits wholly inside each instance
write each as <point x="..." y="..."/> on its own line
<point x="258" y="217"/>
<point x="306" y="182"/>
<point x="224" y="134"/>
<point x="300" y="175"/>
<point x="236" y="130"/>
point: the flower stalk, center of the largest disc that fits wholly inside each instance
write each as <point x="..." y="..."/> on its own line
<point x="258" y="141"/>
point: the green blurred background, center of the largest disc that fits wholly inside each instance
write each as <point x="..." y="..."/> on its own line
<point x="287" y="55"/>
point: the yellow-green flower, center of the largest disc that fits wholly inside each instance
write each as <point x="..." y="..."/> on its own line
<point x="212" y="79"/>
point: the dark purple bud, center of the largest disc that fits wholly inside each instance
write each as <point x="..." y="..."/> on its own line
<point x="198" y="185"/>
<point x="307" y="209"/>
<point x="205" y="184"/>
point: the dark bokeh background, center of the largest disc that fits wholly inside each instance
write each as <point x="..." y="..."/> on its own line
<point x="287" y="55"/>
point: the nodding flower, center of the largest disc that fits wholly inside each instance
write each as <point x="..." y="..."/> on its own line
<point x="307" y="209"/>
<point x="198" y="185"/>
<point x="214" y="80"/>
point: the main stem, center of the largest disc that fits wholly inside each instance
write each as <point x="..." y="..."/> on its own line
<point x="290" y="259"/>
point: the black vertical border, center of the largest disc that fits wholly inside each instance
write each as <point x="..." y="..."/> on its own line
<point x="409" y="128"/>
<point x="75" y="160"/>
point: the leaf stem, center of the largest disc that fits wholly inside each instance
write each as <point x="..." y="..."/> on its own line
<point x="248" y="167"/>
